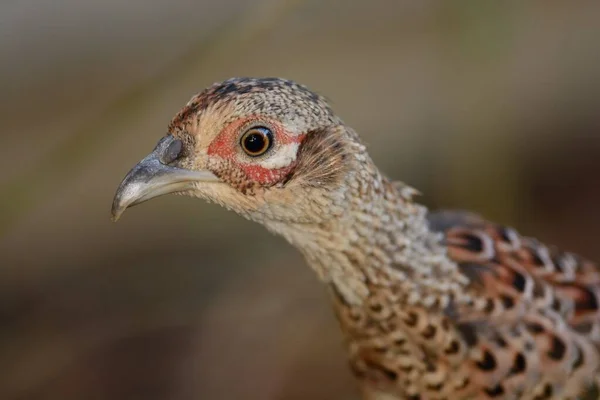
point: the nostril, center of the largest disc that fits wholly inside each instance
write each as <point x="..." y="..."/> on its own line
<point x="172" y="152"/>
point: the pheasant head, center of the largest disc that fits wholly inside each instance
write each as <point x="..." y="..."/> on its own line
<point x="269" y="149"/>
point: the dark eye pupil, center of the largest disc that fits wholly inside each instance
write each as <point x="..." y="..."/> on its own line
<point x="257" y="141"/>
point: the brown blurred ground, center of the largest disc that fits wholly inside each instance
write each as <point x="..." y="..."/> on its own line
<point x="485" y="105"/>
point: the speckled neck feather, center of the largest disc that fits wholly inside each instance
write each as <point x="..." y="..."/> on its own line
<point x="372" y="232"/>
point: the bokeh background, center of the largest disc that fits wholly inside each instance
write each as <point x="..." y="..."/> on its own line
<point x="492" y="106"/>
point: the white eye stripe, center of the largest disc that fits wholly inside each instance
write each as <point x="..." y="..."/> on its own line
<point x="282" y="156"/>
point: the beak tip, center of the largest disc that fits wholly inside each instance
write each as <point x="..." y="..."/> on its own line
<point x="118" y="206"/>
<point x="115" y="213"/>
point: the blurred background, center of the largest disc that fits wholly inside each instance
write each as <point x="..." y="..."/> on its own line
<point x="492" y="106"/>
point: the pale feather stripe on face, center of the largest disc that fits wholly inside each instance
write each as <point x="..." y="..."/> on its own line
<point x="282" y="157"/>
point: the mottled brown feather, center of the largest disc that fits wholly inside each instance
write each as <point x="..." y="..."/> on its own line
<point x="549" y="294"/>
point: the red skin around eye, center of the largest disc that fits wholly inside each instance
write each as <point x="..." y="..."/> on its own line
<point x="225" y="146"/>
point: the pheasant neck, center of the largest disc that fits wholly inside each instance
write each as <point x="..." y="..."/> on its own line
<point x="379" y="238"/>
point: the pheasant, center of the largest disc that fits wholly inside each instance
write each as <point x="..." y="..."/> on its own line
<point x="432" y="305"/>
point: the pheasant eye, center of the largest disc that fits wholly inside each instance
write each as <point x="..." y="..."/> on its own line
<point x="256" y="141"/>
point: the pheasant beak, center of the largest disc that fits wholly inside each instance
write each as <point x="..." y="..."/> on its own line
<point x="153" y="177"/>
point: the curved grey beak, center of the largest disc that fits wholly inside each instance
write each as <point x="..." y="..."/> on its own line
<point x="153" y="177"/>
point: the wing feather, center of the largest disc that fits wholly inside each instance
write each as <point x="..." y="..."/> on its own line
<point x="540" y="311"/>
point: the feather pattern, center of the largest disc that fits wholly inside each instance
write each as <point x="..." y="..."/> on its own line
<point x="531" y="331"/>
